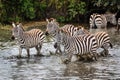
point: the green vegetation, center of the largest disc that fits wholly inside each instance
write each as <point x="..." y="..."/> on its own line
<point x="62" y="10"/>
<point x="73" y="11"/>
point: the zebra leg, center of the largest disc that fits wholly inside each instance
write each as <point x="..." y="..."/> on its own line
<point x="67" y="58"/>
<point x="70" y="57"/>
<point x="84" y="57"/>
<point x="28" y="52"/>
<point x="94" y="56"/>
<point x="105" y="47"/>
<point x="20" y="52"/>
<point x="38" y="48"/>
<point x="58" y="49"/>
<point x="105" y="52"/>
<point x="89" y="56"/>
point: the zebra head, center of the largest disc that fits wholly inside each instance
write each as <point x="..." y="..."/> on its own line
<point x="52" y="27"/>
<point x="17" y="30"/>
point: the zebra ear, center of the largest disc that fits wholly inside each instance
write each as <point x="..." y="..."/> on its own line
<point x="13" y="24"/>
<point x="54" y="20"/>
<point x="82" y="28"/>
<point x="47" y="20"/>
<point x="19" y="25"/>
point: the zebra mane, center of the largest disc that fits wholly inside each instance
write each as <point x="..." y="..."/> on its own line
<point x="65" y="32"/>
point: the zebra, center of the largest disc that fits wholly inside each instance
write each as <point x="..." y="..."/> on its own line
<point x="100" y="20"/>
<point x="72" y="31"/>
<point x="113" y="18"/>
<point x="53" y="29"/>
<point x="103" y="39"/>
<point x="97" y="21"/>
<point x="78" y="45"/>
<point x="27" y="39"/>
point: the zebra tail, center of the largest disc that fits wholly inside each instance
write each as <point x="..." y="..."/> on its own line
<point x="111" y="45"/>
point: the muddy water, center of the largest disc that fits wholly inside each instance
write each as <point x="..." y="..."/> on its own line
<point x="50" y="67"/>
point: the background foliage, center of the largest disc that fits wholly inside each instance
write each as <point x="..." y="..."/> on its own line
<point x="62" y="10"/>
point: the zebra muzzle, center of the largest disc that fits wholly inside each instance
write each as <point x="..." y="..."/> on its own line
<point x="13" y="38"/>
<point x="46" y="33"/>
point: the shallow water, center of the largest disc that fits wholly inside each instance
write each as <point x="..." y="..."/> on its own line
<point x="50" y="67"/>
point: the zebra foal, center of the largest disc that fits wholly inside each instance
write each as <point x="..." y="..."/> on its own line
<point x="27" y="39"/>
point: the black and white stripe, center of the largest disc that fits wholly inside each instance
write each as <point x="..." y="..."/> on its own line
<point x="103" y="39"/>
<point x="27" y="39"/>
<point x="53" y="29"/>
<point x="79" y="45"/>
<point x="97" y="21"/>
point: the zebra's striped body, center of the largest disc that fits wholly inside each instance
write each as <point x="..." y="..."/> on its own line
<point x="28" y="39"/>
<point x="79" y="45"/>
<point x="70" y="29"/>
<point x="102" y="38"/>
<point x="103" y="41"/>
<point x="97" y="21"/>
<point x="53" y="29"/>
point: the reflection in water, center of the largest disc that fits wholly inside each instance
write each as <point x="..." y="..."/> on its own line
<point x="51" y="67"/>
<point x="81" y="70"/>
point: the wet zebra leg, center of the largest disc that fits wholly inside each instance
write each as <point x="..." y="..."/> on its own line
<point x="38" y="48"/>
<point x="20" y="52"/>
<point x="58" y="49"/>
<point x="89" y="56"/>
<point x="95" y="56"/>
<point x="28" y="52"/>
